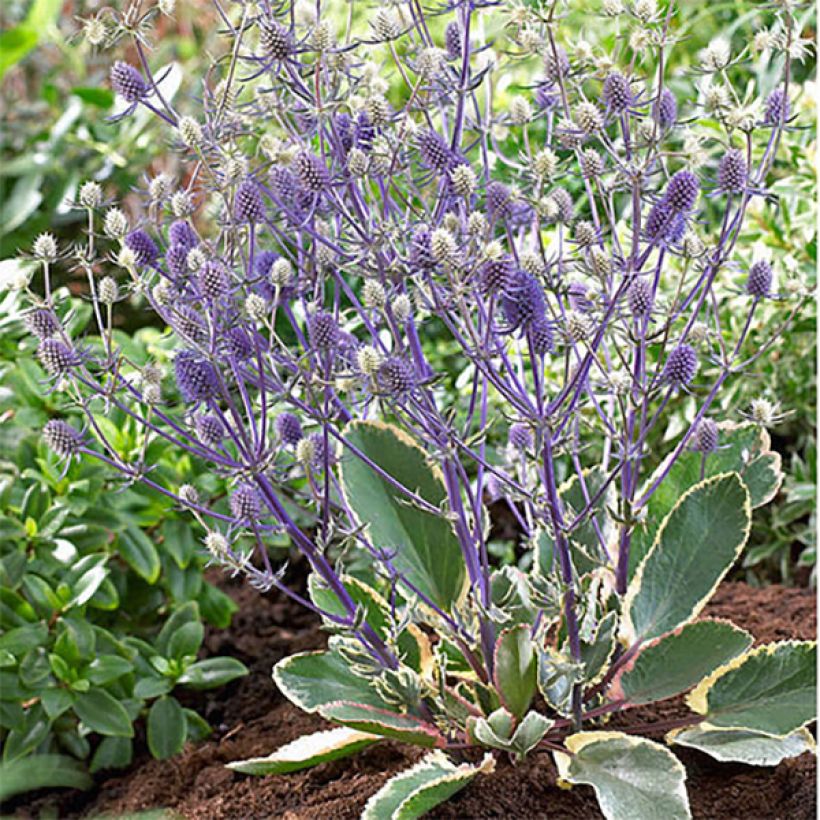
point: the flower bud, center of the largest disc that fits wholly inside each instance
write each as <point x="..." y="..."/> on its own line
<point x="402" y="307"/>
<point x="545" y="163"/>
<point x="45" y="248"/>
<point x="216" y="544"/>
<point x="369" y="360"/>
<point x="190" y="132"/>
<point x="464" y="180"/>
<point x="188" y="495"/>
<point x="256" y="307"/>
<point x="373" y="294"/>
<point x="442" y="245"/>
<point x="90" y="195"/>
<point x="108" y="291"/>
<point x="115" y="224"/>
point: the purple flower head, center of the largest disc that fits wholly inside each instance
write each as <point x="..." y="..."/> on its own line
<point x="640" y="298"/>
<point x="144" y="248"/>
<point x="777" y="107"/>
<point x="128" y="82"/>
<point x="238" y="343"/>
<point x="681" y="365"/>
<point x="210" y="429"/>
<point x="196" y="378"/>
<point x="214" y="279"/>
<point x="181" y="233"/>
<point x="664" y="223"/>
<point x="542" y="336"/>
<point x="343" y="125"/>
<point x="434" y="151"/>
<point x="556" y="65"/>
<point x="56" y="358"/>
<point x="245" y="503"/>
<point x="323" y="330"/>
<point x="665" y="109"/>
<point x="421" y="255"/>
<point x="188" y="324"/>
<point x="176" y="260"/>
<point x="578" y="299"/>
<point x="42" y="323"/>
<point x="617" y="92"/>
<point x="364" y="132"/>
<point x="733" y="172"/>
<point x="62" y="438"/>
<point x="682" y="191"/>
<point x="452" y="40"/>
<point x="289" y="429"/>
<point x="311" y="172"/>
<point x="547" y="96"/>
<point x="495" y="274"/>
<point x="706" y="437"/>
<point x="498" y="200"/>
<point x="276" y="40"/>
<point x="759" y="282"/>
<point x="248" y="203"/>
<point x="520" y="436"/>
<point x="396" y="377"/>
<point x="523" y="301"/>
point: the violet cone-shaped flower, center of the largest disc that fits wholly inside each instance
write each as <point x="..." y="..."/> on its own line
<point x="434" y="151"/>
<point x="396" y="377"/>
<point x="210" y="429"/>
<point x="144" y="248"/>
<point x="523" y="301"/>
<point x="276" y="41"/>
<point x="681" y="365"/>
<point x="288" y="429"/>
<point x="542" y="336"/>
<point x="176" y="260"/>
<point x="421" y="253"/>
<point x="42" y="323"/>
<point x="682" y="191"/>
<point x="248" y="203"/>
<point x="245" y="503"/>
<point x="213" y="279"/>
<point x="311" y="172"/>
<point x="520" y="436"/>
<point x="617" y="92"/>
<point x="364" y="132"/>
<point x="733" y="172"/>
<point x="777" y="107"/>
<point x="664" y="223"/>
<point x="452" y="40"/>
<point x="323" y="330"/>
<point x="181" y="233"/>
<point x="498" y="199"/>
<point x="62" y="438"/>
<point x="237" y="343"/>
<point x="640" y="298"/>
<point x="196" y="378"/>
<point x="495" y="274"/>
<point x="706" y="436"/>
<point x="665" y="109"/>
<point x="759" y="281"/>
<point x="56" y="357"/>
<point x="128" y="82"/>
<point x="188" y="324"/>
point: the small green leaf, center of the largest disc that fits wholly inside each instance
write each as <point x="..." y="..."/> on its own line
<point x="98" y="97"/>
<point x="139" y="553"/>
<point x="633" y="778"/>
<point x="107" y="668"/>
<point x="307" y="751"/>
<point x="772" y="689"/>
<point x="167" y="728"/>
<point x="678" y="661"/>
<point x="740" y="746"/>
<point x="557" y="674"/>
<point x="186" y="640"/>
<point x="112" y="753"/>
<point x="420" y="789"/>
<point x="42" y="772"/>
<point x="515" y="669"/>
<point x="383" y="722"/>
<point x="213" y="672"/>
<point x="102" y="713"/>
<point x="695" y="547"/>
<point x="186" y="614"/>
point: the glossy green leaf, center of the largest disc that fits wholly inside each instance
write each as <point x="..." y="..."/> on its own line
<point x="426" y="548"/>
<point x="307" y="751"/>
<point x="139" y="553"/>
<point x="418" y="790"/>
<point x="103" y="713"/>
<point x="678" y="661"/>
<point x="633" y="778"/>
<point x="213" y="672"/>
<point x="772" y="689"/>
<point x="515" y="669"/>
<point x="112" y="753"/>
<point x="741" y="746"/>
<point x="695" y="547"/>
<point x="42" y="772"/>
<point x="383" y="722"/>
<point x="167" y="728"/>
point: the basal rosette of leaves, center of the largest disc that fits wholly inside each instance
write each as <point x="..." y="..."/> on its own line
<point x="345" y="192"/>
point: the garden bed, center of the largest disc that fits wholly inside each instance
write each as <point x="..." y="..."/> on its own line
<point x="251" y="718"/>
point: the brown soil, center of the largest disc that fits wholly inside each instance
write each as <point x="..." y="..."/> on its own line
<point x="252" y="718"/>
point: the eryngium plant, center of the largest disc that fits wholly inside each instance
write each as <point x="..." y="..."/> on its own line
<point x="351" y="195"/>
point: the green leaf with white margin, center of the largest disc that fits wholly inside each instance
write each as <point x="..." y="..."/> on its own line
<point x="633" y="778"/>
<point x="741" y="746"/>
<point x="678" y="661"/>
<point x="307" y="751"/>
<point x="426" y="549"/>
<point x="596" y="652"/>
<point x="514" y="672"/>
<point x="315" y="679"/>
<point x="383" y="722"/>
<point x="772" y="689"/>
<point x="423" y="787"/>
<point x="695" y="547"/>
<point x="744" y="449"/>
<point x="557" y="673"/>
<point x="498" y="731"/>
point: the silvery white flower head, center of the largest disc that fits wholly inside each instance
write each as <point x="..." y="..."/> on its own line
<point x="716" y="56"/>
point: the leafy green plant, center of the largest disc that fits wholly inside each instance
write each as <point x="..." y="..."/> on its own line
<point x="749" y="705"/>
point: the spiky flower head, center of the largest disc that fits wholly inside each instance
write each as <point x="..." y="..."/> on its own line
<point x="213" y="279"/>
<point x="733" y="172"/>
<point x="588" y="117"/>
<point x="195" y="376"/>
<point x="45" y="248"/>
<point x="115" y="223"/>
<point x="464" y="180"/>
<point x="190" y="132"/>
<point x="210" y="429"/>
<point x="545" y="163"/>
<point x="276" y="41"/>
<point x="62" y="438"/>
<point x="128" y="82"/>
<point x="759" y="281"/>
<point x="434" y="150"/>
<point x="396" y="376"/>
<point x="42" y="323"/>
<point x="323" y="330"/>
<point x="542" y="336"/>
<point x="665" y="109"/>
<point x="706" y="436"/>
<point x="90" y="195"/>
<point x="498" y="197"/>
<point x="556" y="63"/>
<point x="640" y="298"/>
<point x="373" y="294"/>
<point x="402" y="307"/>
<point x="523" y="301"/>
<point x="496" y="274"/>
<point x="144" y="248"/>
<point x="682" y="191"/>
<point x="592" y="163"/>
<point x="56" y="357"/>
<point x="311" y="172"/>
<point x="452" y="40"/>
<point x="681" y="365"/>
<point x="617" y="92"/>
<point x="248" y="203"/>
<point x="520" y="436"/>
<point x="288" y="429"/>
<point x="777" y="107"/>
<point x="584" y="233"/>
<point x="564" y="207"/>
<point x="181" y="233"/>
<point x="216" y="544"/>
<point x="245" y="503"/>
<point x="188" y="495"/>
<point x="108" y="291"/>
